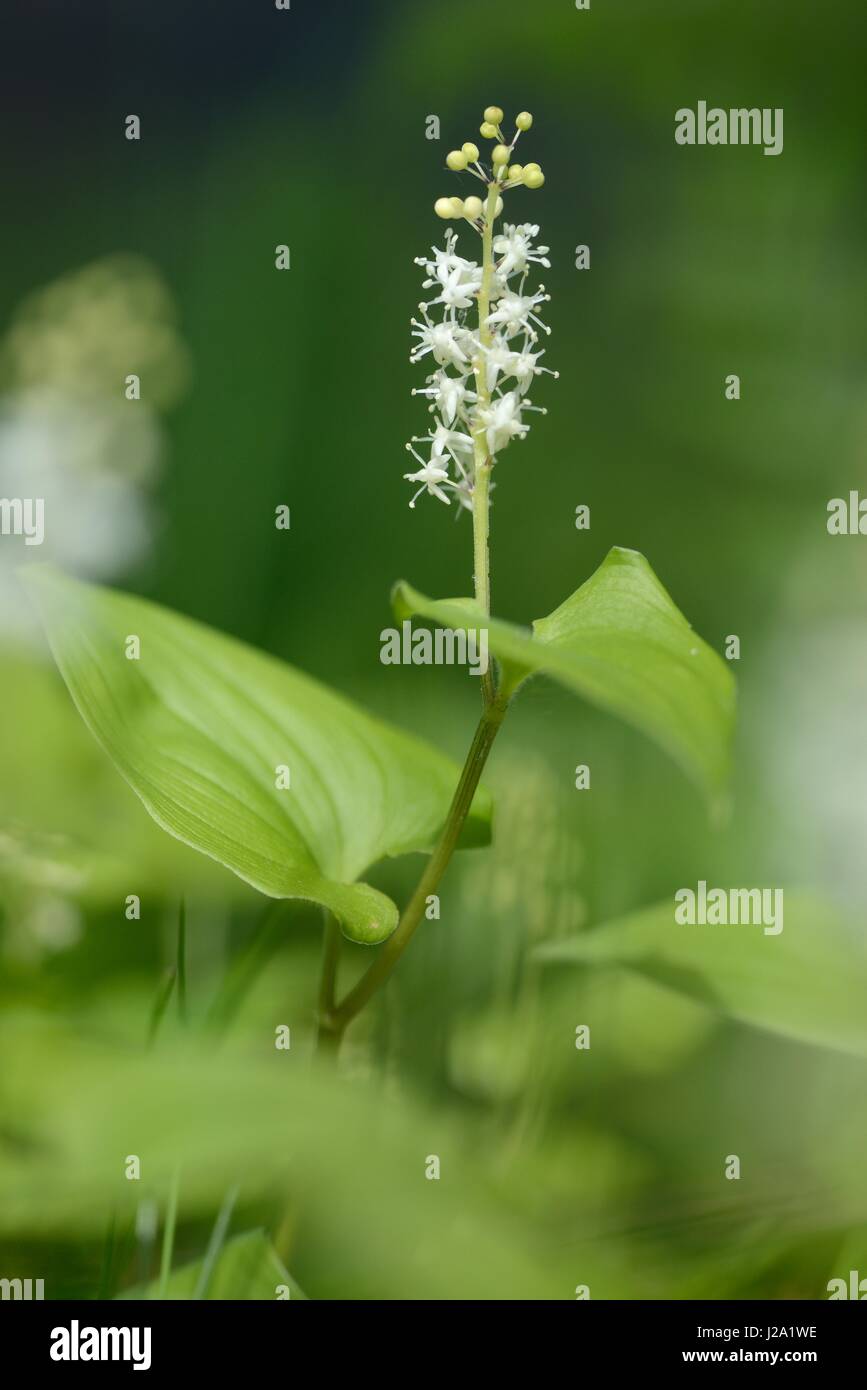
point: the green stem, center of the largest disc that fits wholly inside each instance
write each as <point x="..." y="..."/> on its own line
<point x="326" y="1035"/>
<point x="391" y="952"/>
<point x="215" y="1245"/>
<point x="334" y="1020"/>
<point x="182" y="960"/>
<point x="480" y="550"/>
<point x="169" y="1235"/>
<point x="483" y="463"/>
<point x="268" y="935"/>
<point x="161" y="1003"/>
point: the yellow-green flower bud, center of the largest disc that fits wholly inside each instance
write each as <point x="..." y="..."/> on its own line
<point x="515" y="171"/>
<point x="443" y="207"/>
<point x="498" y="207"/>
<point x="534" y="179"/>
<point x="457" y="205"/>
<point x="456" y="160"/>
<point x="473" y="208"/>
<point x="471" y="151"/>
<point x="489" y="131"/>
<point x="494" y="114"/>
<point x="530" y="166"/>
<point x="523" y="120"/>
<point x="500" y="154"/>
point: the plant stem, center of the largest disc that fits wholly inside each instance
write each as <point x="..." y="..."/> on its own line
<point x="391" y="952"/>
<point x="161" y="1003"/>
<point x="169" y="1235"/>
<point x="215" y="1245"/>
<point x="483" y="463"/>
<point x="268" y="935"/>
<point x="480" y="548"/>
<point x="325" y="1034"/>
<point x="182" y="960"/>
<point x="334" y="1020"/>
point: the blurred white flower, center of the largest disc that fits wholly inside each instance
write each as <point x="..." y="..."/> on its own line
<point x="69" y="434"/>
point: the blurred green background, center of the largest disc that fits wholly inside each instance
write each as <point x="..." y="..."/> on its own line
<point x="559" y="1168"/>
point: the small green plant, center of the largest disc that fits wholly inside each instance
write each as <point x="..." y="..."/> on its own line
<point x="294" y="788"/>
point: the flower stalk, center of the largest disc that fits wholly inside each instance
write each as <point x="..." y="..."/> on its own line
<point x="482" y="459"/>
<point x="477" y="394"/>
<point x="335" y="1022"/>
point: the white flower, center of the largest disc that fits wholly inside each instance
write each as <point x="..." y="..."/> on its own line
<point x="449" y="344"/>
<point x="453" y="443"/>
<point x="502" y="421"/>
<point x="65" y="451"/>
<point x="514" y="313"/>
<point x="524" y="366"/>
<point x="474" y="414"/>
<point x="446" y="261"/>
<point x="505" y="361"/>
<point x="499" y="358"/>
<point x="457" y="280"/>
<point x="431" y="475"/>
<point x="517" y="250"/>
<point x="449" y="394"/>
<point x="457" y="292"/>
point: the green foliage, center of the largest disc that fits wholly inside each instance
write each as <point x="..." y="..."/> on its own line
<point x="248" y="1267"/>
<point x="198" y="727"/>
<point x="808" y="983"/>
<point x="620" y="642"/>
<point x="275" y="1125"/>
<point x="732" y="492"/>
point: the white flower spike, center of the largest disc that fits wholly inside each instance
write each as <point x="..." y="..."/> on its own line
<point x="477" y="392"/>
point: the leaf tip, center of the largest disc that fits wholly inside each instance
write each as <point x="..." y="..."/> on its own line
<point x="400" y="603"/>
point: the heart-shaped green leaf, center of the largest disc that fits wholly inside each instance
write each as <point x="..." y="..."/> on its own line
<point x="199" y="725"/>
<point x="619" y="641"/>
<point x="808" y="981"/>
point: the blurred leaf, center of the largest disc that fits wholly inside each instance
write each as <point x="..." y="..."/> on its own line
<point x="248" y="1268"/>
<point x="620" y="642"/>
<point x="349" y="1156"/>
<point x="808" y="983"/>
<point x="67" y="822"/>
<point x="199" y="725"/>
